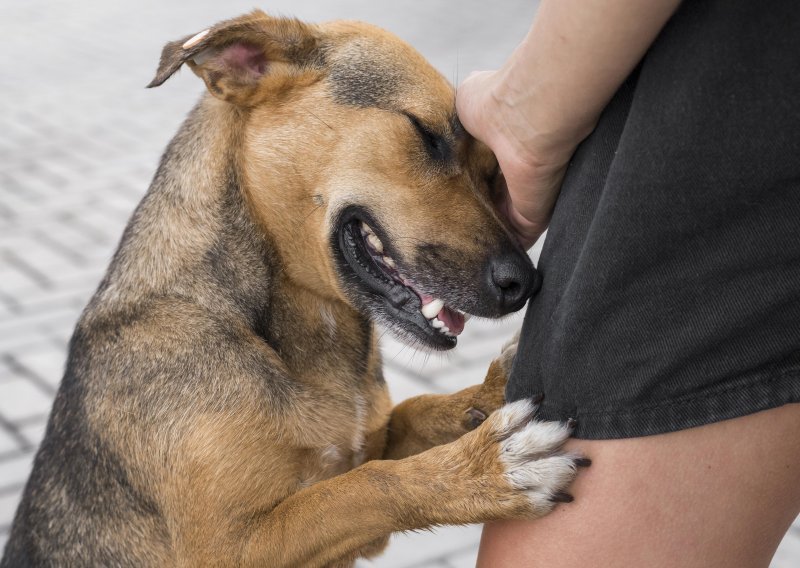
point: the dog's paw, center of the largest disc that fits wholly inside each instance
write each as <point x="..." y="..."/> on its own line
<point x="491" y="394"/>
<point x="531" y="453"/>
<point x="523" y="461"/>
<point x="508" y="352"/>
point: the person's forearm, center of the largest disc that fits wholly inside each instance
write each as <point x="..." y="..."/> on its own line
<point x="575" y="56"/>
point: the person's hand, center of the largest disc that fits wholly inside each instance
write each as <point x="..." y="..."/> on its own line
<point x="548" y="96"/>
<point x="533" y="158"/>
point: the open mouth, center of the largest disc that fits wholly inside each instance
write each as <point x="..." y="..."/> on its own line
<point x="391" y="294"/>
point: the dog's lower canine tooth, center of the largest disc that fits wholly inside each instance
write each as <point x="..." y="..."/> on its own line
<point x="431" y="309"/>
<point x="437" y="323"/>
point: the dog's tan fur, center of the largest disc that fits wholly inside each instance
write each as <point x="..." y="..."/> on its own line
<point x="222" y="438"/>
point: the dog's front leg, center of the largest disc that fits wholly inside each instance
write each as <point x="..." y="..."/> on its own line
<point x="509" y="467"/>
<point x="430" y="420"/>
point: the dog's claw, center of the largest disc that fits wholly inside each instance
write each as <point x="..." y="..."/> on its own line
<point x="583" y="462"/>
<point x="562" y="497"/>
<point x="571" y="423"/>
<point x="537" y="398"/>
<point x="477" y="417"/>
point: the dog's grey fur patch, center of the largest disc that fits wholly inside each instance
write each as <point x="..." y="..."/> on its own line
<point x="360" y="77"/>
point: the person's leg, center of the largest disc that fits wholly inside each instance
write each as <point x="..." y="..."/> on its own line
<point x="722" y="495"/>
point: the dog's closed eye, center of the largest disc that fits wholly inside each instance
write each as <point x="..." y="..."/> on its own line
<point x="435" y="145"/>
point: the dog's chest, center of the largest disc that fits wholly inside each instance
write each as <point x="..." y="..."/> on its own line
<point x="345" y="448"/>
<point x="347" y="398"/>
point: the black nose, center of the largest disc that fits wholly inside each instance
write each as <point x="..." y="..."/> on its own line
<point x="511" y="280"/>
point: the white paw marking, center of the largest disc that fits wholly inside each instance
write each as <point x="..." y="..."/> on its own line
<point x="529" y="454"/>
<point x="511" y="416"/>
<point x="535" y="439"/>
<point x="546" y="475"/>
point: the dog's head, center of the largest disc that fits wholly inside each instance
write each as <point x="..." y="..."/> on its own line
<point x="355" y="162"/>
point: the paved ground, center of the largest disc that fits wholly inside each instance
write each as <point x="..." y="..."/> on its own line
<point x="79" y="141"/>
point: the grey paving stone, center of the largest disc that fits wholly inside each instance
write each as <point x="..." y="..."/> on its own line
<point x="15" y="280"/>
<point x="13" y="329"/>
<point x="8" y="506"/>
<point x="788" y="553"/>
<point x="34" y="432"/>
<point x="9" y="445"/>
<point x="43" y="366"/>
<point x="14" y="471"/>
<point x="403" y="385"/>
<point x="464" y="559"/>
<point x="20" y="399"/>
<point x="418" y="549"/>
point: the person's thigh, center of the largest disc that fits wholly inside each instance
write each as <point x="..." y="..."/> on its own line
<point x="722" y="495"/>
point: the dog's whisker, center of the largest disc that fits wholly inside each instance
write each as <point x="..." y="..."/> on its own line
<point x="310" y="213"/>
<point x="317" y="117"/>
<point x="405" y="238"/>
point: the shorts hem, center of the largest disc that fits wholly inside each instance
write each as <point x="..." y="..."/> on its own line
<point x="680" y="413"/>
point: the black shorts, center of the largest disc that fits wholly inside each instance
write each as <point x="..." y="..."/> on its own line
<point x="671" y="269"/>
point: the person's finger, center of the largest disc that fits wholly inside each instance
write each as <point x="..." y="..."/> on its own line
<point x="471" y="102"/>
<point x="524" y="231"/>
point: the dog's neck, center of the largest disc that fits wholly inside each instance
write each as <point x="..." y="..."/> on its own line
<point x="194" y="236"/>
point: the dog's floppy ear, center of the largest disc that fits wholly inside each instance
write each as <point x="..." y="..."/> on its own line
<point x="234" y="56"/>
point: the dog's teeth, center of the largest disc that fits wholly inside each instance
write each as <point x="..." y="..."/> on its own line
<point x="431" y="309"/>
<point x="375" y="242"/>
<point x="372" y="238"/>
<point x="437" y="323"/>
<point x="389" y="261"/>
<point x="464" y="315"/>
<point x="445" y="330"/>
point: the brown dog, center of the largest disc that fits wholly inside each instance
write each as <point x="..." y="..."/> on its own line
<point x="223" y="397"/>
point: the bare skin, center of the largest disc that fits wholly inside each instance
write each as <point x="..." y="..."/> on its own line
<point x="712" y="497"/>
